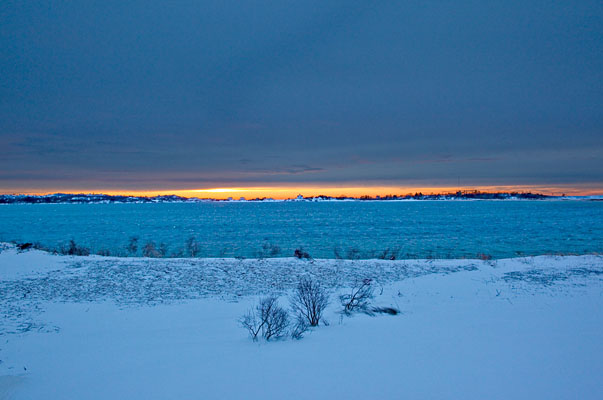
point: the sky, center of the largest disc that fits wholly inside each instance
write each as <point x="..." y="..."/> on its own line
<point x="325" y="96"/>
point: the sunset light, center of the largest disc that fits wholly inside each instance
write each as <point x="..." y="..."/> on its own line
<point x="289" y="192"/>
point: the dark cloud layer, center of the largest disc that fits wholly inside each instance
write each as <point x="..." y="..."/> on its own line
<point x="150" y="95"/>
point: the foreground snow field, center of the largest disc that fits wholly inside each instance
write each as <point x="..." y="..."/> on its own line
<point x="99" y="328"/>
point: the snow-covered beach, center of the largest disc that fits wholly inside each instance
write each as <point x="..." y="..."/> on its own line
<point x="138" y="328"/>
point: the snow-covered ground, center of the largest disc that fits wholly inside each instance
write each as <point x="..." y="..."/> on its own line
<point x="114" y="328"/>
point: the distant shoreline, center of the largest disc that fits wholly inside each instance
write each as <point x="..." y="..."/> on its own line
<point x="81" y="198"/>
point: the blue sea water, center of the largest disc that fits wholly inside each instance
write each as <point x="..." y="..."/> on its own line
<point x="410" y="229"/>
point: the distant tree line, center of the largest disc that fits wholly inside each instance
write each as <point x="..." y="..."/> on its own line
<point x="105" y="198"/>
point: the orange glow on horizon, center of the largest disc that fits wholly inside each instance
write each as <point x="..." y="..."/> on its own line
<point x="285" y="192"/>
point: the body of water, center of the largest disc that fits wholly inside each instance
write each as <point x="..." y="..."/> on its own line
<point x="409" y="229"/>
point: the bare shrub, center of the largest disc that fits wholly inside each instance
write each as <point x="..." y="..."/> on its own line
<point x="353" y="254"/>
<point x="301" y="326"/>
<point x="272" y="249"/>
<point x="389" y="254"/>
<point x="309" y="300"/>
<point x="150" y="250"/>
<point x="371" y="254"/>
<point x="163" y="250"/>
<point x="132" y="246"/>
<point x="178" y="253"/>
<point x="252" y="323"/>
<point x="267" y="320"/>
<point x="337" y="253"/>
<point x="40" y="246"/>
<point x="359" y="298"/>
<point x="301" y="254"/>
<point x="268" y="250"/>
<point x="192" y="247"/>
<point x="103" y="252"/>
<point x="73" y="249"/>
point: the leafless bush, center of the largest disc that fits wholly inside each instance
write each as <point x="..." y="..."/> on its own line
<point x="40" y="246"/>
<point x="267" y="320"/>
<point x="150" y="250"/>
<point x="309" y="300"/>
<point x="353" y="254"/>
<point x="252" y="323"/>
<point x="103" y="252"/>
<point x="337" y="253"/>
<point x="179" y="253"/>
<point x="371" y="254"/>
<point x="268" y="250"/>
<point x="300" y="253"/>
<point x="75" y="250"/>
<point x="359" y="298"/>
<point x="132" y="246"/>
<point x="192" y="247"/>
<point x="301" y="326"/>
<point x="389" y="254"/>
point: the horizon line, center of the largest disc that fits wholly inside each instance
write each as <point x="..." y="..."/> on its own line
<point x="290" y="192"/>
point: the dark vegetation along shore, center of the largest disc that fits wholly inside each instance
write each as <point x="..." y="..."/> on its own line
<point x="192" y="249"/>
<point x="69" y="198"/>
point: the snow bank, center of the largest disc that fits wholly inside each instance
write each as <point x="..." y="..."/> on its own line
<point x="93" y="327"/>
<point x="16" y="265"/>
